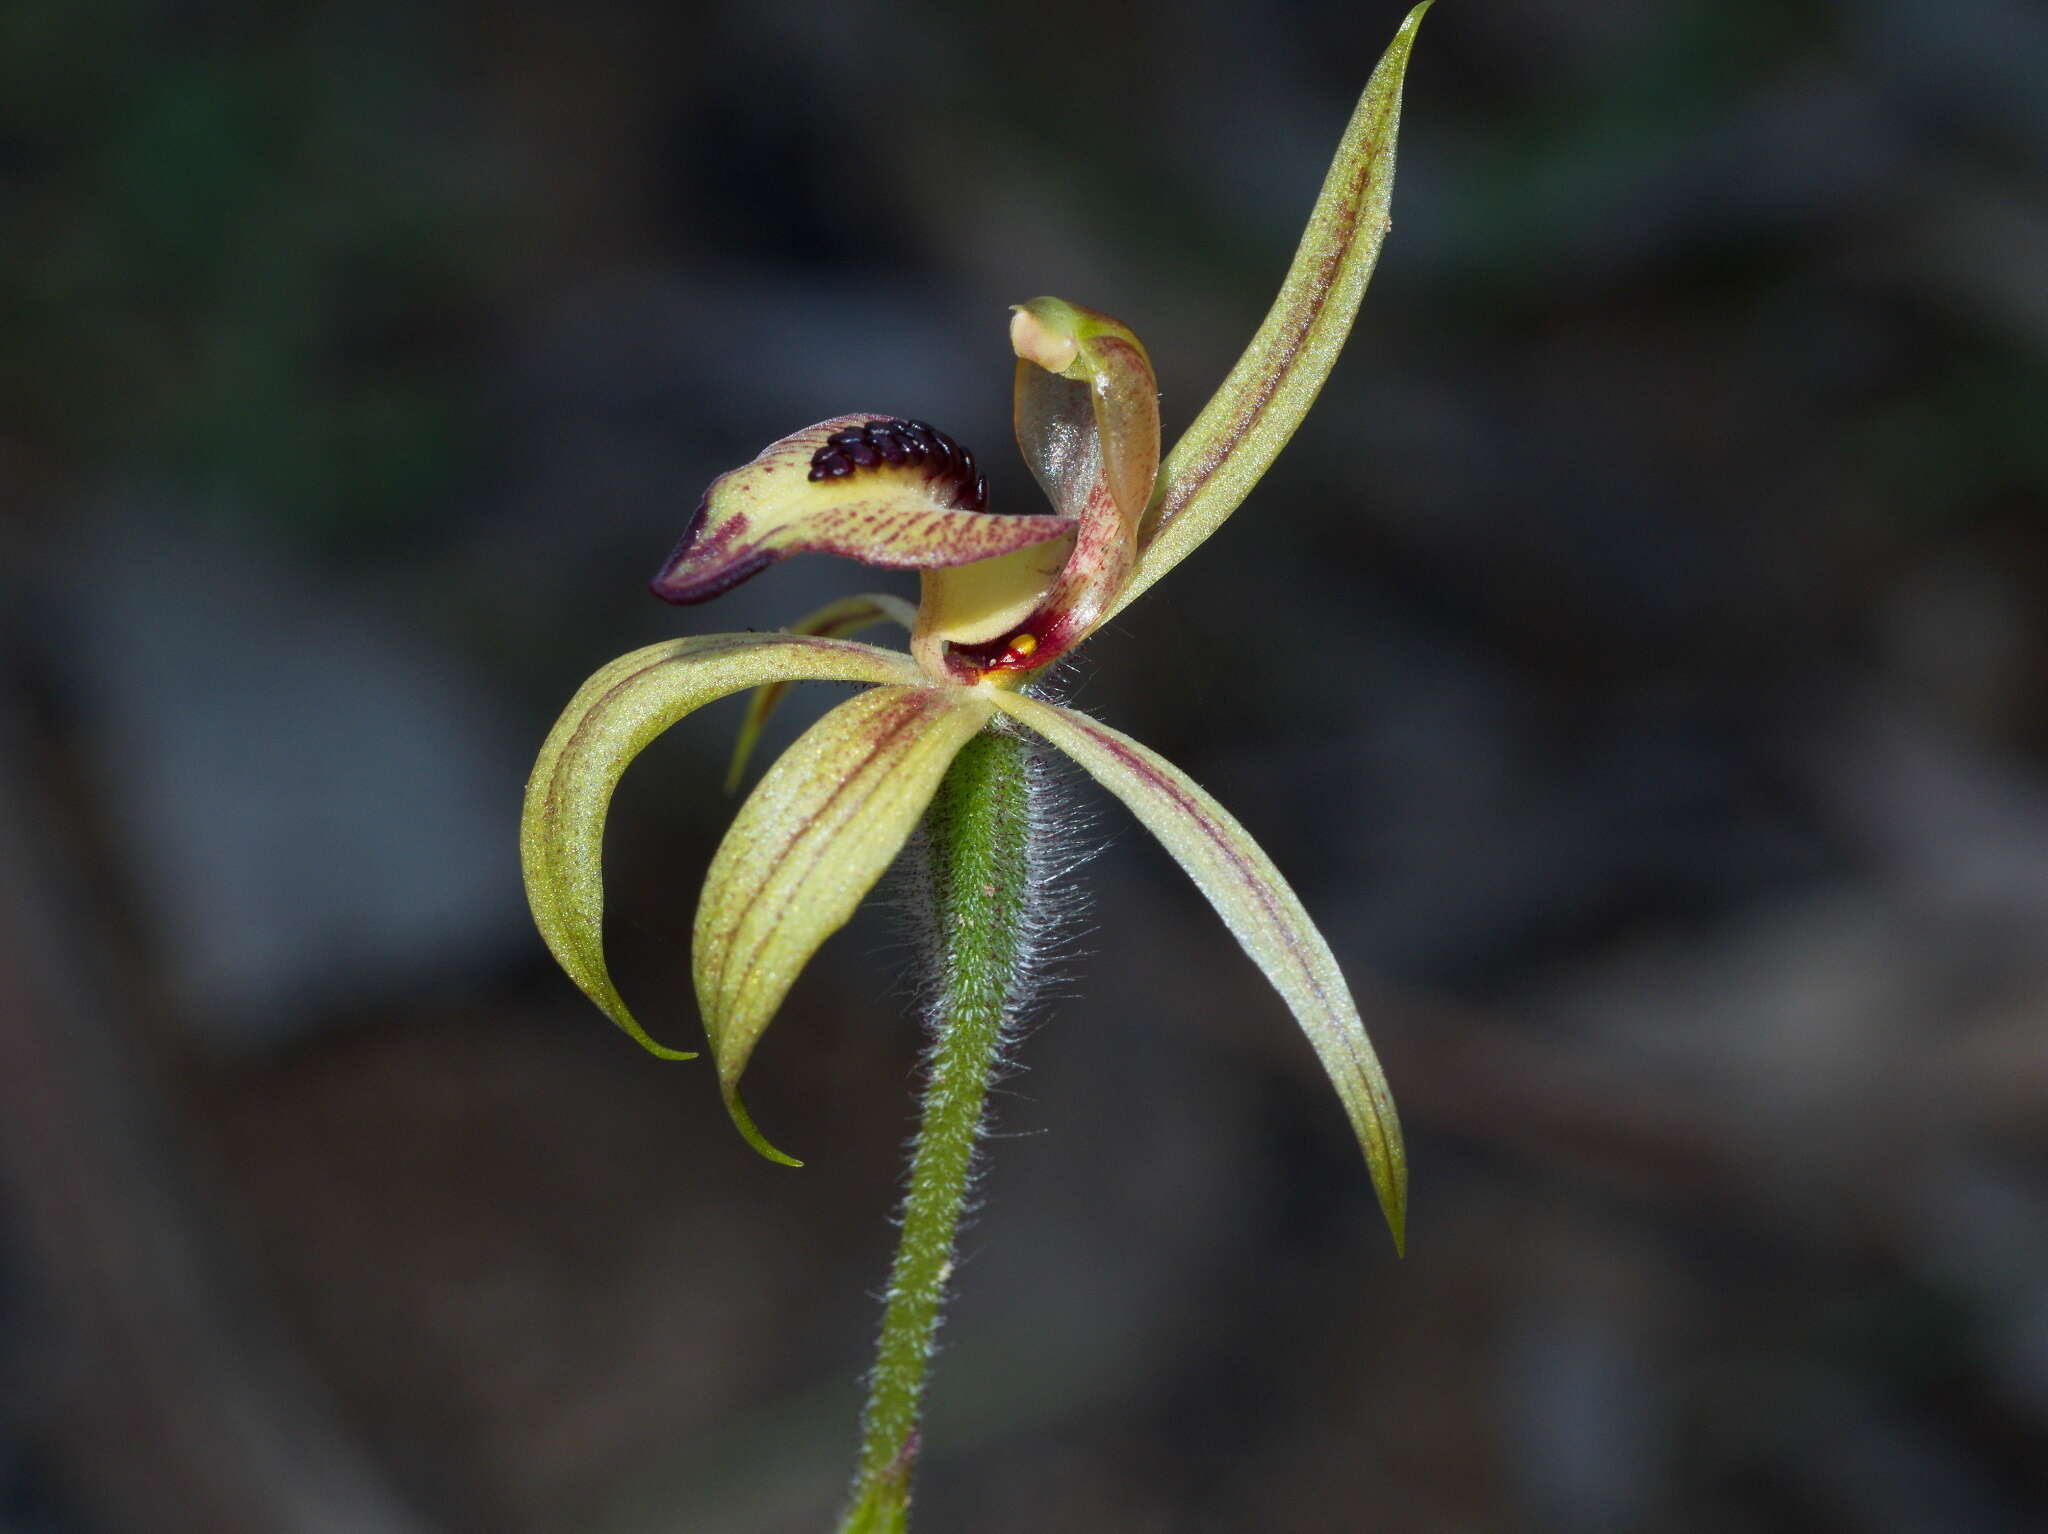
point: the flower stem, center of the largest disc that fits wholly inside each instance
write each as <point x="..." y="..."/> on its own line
<point x="980" y="851"/>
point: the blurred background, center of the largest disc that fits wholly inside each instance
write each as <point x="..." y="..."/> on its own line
<point x="1638" y="663"/>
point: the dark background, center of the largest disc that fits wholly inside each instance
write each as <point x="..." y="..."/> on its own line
<point x="1638" y="663"/>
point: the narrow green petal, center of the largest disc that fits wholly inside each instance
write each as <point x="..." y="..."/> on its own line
<point x="806" y="847"/>
<point x="880" y="490"/>
<point x="1261" y="912"/>
<point x="1242" y="429"/>
<point x="835" y="620"/>
<point x="609" y="722"/>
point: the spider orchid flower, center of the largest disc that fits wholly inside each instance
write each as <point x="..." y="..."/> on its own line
<point x="1003" y="596"/>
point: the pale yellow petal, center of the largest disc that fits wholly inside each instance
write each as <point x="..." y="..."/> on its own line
<point x="609" y="722"/>
<point x="1261" y="912"/>
<point x="806" y="847"/>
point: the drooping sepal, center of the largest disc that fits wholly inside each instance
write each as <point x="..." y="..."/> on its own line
<point x="609" y="722"/>
<point x="806" y="847"/>
<point x="1237" y="435"/>
<point x="1260" y="910"/>
<point x="882" y="490"/>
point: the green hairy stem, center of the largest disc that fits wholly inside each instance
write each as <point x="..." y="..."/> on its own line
<point x="978" y="835"/>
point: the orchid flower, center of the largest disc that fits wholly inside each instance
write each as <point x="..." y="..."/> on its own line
<point x="1004" y="595"/>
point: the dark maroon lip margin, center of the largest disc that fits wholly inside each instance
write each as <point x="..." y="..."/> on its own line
<point x="685" y="591"/>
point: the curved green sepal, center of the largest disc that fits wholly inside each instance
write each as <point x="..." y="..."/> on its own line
<point x="1262" y="913"/>
<point x="806" y="847"/>
<point x="1242" y="429"/>
<point x="835" y="620"/>
<point x="609" y="722"/>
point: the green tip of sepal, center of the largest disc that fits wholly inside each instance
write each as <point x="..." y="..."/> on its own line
<point x="744" y="1123"/>
<point x="1404" y="35"/>
<point x="1393" y="1191"/>
<point x="607" y="998"/>
<point x="1387" y="1159"/>
<point x="595" y="981"/>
